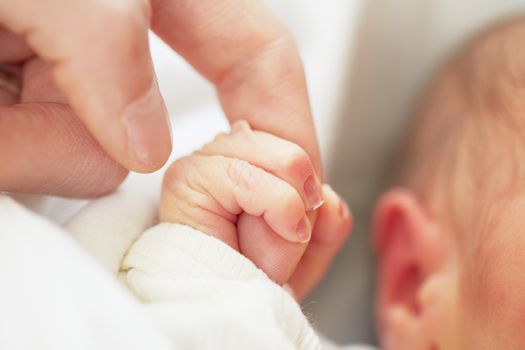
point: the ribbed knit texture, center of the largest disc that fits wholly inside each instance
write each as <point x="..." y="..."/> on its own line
<point x="235" y="304"/>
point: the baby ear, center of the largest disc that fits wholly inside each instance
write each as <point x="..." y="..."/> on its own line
<point x="412" y="253"/>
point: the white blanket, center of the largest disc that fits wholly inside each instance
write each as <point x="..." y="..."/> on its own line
<point x="188" y="290"/>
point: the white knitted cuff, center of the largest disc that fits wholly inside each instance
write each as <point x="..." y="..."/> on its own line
<point x="181" y="252"/>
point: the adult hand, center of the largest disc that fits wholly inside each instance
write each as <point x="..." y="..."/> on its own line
<point x="92" y="60"/>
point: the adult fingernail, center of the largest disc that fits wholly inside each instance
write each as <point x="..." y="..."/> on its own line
<point x="147" y="126"/>
<point x="303" y="230"/>
<point x="312" y="190"/>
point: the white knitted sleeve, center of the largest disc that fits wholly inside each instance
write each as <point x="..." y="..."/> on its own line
<point x="208" y="296"/>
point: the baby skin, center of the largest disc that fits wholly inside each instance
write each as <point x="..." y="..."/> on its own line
<point x="450" y="236"/>
<point x="259" y="194"/>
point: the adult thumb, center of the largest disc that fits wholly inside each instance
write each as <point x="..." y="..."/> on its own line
<point x="100" y="56"/>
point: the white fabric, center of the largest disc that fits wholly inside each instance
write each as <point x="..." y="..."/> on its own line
<point x="196" y="292"/>
<point x="55" y="296"/>
<point x="107" y="227"/>
<point x="208" y="296"/>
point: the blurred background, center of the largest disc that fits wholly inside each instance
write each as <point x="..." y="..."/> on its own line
<point x="366" y="64"/>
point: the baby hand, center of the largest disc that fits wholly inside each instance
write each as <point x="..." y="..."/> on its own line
<point x="244" y="171"/>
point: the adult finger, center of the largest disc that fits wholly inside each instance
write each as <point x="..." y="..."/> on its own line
<point x="46" y="149"/>
<point x="100" y="56"/>
<point x="194" y="185"/>
<point x="277" y="257"/>
<point x="250" y="57"/>
<point x="331" y="230"/>
<point x="282" y="158"/>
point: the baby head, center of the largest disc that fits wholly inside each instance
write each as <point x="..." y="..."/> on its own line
<point x="451" y="238"/>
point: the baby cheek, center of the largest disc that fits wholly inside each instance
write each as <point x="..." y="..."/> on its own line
<point x="518" y="308"/>
<point x="496" y="269"/>
<point x="502" y="294"/>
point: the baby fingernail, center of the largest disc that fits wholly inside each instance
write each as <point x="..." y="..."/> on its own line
<point x="303" y="230"/>
<point x="312" y="190"/>
<point x="146" y="122"/>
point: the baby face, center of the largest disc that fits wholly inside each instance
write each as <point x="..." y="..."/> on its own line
<point x="451" y="242"/>
<point x="494" y="300"/>
<point x="445" y="289"/>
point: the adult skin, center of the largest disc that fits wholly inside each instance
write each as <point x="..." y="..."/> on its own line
<point x="80" y="105"/>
